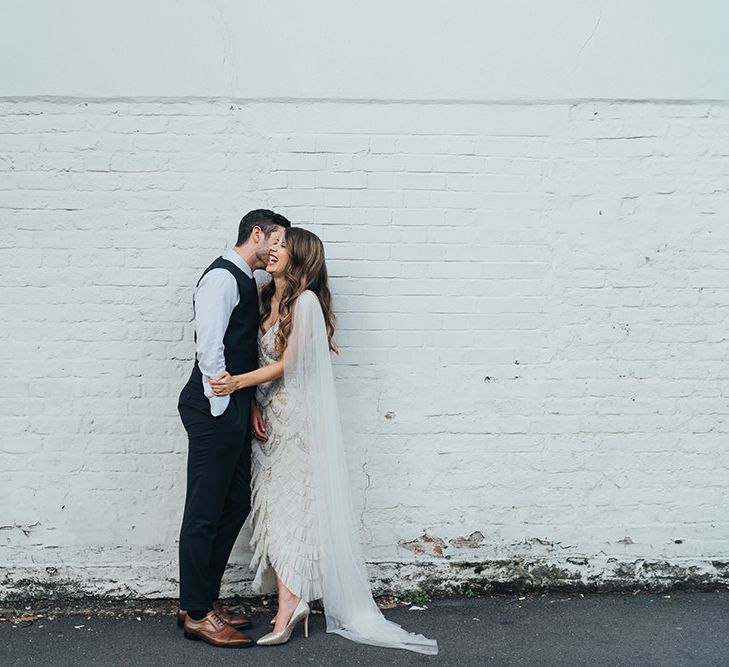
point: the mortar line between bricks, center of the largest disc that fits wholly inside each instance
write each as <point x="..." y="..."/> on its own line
<point x="66" y="99"/>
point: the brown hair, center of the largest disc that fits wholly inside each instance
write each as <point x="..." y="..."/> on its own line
<point x="267" y="220"/>
<point x="306" y="270"/>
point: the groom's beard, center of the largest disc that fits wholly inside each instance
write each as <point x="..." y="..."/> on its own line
<point x="262" y="258"/>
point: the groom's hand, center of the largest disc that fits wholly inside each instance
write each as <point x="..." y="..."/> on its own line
<point x="257" y="423"/>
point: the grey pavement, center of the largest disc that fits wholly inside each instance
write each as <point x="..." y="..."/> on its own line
<point x="662" y="629"/>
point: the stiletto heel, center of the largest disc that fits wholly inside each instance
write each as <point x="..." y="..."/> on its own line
<point x="300" y="613"/>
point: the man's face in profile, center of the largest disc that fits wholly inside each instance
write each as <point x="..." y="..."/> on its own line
<point x="273" y="240"/>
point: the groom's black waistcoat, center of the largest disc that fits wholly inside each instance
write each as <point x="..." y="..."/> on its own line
<point x="241" y="336"/>
<point x="219" y="457"/>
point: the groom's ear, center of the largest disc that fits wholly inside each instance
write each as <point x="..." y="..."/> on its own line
<point x="256" y="233"/>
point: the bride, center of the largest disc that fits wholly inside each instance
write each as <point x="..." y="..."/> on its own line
<point x="304" y="534"/>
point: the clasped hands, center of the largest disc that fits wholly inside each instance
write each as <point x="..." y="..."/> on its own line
<point x="224" y="385"/>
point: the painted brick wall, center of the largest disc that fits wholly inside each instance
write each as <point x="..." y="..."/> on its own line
<point x="532" y="304"/>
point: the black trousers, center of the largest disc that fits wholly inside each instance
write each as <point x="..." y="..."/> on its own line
<point x="218" y="497"/>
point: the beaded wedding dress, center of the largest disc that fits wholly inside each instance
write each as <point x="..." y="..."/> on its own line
<point x="302" y="522"/>
<point x="282" y="519"/>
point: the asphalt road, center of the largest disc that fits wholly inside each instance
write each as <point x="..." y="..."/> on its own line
<point x="641" y="629"/>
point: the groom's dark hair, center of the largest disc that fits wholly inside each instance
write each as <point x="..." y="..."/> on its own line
<point x="263" y="218"/>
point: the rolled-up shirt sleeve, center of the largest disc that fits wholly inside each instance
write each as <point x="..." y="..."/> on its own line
<point x="215" y="297"/>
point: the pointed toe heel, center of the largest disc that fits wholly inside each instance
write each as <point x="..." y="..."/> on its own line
<point x="275" y="638"/>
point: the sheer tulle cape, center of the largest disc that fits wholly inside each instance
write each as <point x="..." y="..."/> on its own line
<point x="348" y="604"/>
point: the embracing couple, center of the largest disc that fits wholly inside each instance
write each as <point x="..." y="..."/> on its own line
<point x="265" y="448"/>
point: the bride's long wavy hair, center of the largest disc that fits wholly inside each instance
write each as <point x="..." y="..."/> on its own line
<point x="306" y="270"/>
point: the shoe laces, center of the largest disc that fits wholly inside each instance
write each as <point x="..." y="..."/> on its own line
<point x="218" y="620"/>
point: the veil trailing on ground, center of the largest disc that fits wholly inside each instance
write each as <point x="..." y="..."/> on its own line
<point x="347" y="597"/>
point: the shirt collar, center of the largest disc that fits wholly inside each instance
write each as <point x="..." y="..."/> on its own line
<point x="232" y="256"/>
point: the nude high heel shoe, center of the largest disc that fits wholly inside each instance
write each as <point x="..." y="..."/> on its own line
<point x="273" y="638"/>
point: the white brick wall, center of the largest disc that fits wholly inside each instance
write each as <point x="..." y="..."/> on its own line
<point x="532" y="303"/>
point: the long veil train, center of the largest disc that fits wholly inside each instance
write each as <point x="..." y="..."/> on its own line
<point x="347" y="597"/>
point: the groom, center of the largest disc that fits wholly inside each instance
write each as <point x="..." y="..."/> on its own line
<point x="218" y="428"/>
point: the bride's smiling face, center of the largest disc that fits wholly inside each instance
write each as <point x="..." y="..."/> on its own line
<point x="278" y="257"/>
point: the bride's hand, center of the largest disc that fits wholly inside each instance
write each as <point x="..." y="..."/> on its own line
<point x="224" y="385"/>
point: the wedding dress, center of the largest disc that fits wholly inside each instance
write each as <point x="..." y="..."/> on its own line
<point x="302" y="522"/>
<point x="282" y="521"/>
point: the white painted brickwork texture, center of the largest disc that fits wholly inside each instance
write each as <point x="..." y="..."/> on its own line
<point x="532" y="304"/>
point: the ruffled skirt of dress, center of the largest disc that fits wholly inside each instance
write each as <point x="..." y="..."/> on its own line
<point x="282" y="522"/>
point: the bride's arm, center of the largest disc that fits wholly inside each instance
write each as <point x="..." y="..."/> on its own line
<point x="227" y="384"/>
<point x="260" y="375"/>
<point x="309" y="311"/>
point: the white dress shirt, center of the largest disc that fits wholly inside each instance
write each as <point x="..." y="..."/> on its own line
<point x="215" y="297"/>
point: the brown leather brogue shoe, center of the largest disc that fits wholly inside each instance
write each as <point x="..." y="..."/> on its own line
<point x="238" y="621"/>
<point x="214" y="630"/>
